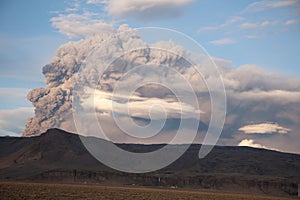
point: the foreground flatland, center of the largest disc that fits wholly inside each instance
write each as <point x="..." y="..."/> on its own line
<point x="23" y="190"/>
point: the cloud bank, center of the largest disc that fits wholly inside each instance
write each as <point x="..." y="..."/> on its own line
<point x="12" y="121"/>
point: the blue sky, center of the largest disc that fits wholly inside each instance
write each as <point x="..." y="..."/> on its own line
<point x="263" y="33"/>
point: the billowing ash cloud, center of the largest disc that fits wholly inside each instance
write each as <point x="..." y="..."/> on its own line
<point x="53" y="104"/>
<point x="254" y="96"/>
<point x="50" y="104"/>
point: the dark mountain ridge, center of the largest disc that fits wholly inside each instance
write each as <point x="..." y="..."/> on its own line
<point x="59" y="156"/>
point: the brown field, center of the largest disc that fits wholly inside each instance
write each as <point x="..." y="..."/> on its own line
<point x="21" y="190"/>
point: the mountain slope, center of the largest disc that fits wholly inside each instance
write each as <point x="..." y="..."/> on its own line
<point x="60" y="156"/>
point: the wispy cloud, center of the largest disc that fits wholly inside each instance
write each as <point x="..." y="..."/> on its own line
<point x="96" y="1"/>
<point x="13" y="92"/>
<point x="230" y="21"/>
<point x="73" y="6"/>
<point x="233" y="20"/>
<point x="13" y="121"/>
<point x="78" y="21"/>
<point x="208" y="28"/>
<point x="259" y="6"/>
<point x="253" y="36"/>
<point x="143" y="10"/>
<point x="224" y="41"/>
<point x="264" y="128"/>
<point x="242" y="27"/>
<point x="265" y="23"/>
<point x="80" y="25"/>
<point x="249" y="25"/>
<point x="13" y="97"/>
<point x="290" y="22"/>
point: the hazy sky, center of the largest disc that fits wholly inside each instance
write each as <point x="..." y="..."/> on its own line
<point x="257" y="33"/>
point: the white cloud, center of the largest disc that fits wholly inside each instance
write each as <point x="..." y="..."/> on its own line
<point x="265" y="23"/>
<point x="233" y="20"/>
<point x="96" y="1"/>
<point x="264" y="128"/>
<point x="84" y="25"/>
<point x="290" y="22"/>
<point x="251" y="143"/>
<point x="252" y="36"/>
<point x="74" y="6"/>
<point x="259" y="6"/>
<point x="230" y="21"/>
<point x="13" y="121"/>
<point x="144" y="10"/>
<point x="14" y="97"/>
<point x="249" y="25"/>
<point x="240" y="24"/>
<point x="208" y="28"/>
<point x="14" y="92"/>
<point x="223" y="41"/>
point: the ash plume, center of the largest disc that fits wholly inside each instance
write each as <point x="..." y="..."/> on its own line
<point x="53" y="104"/>
<point x="254" y="96"/>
